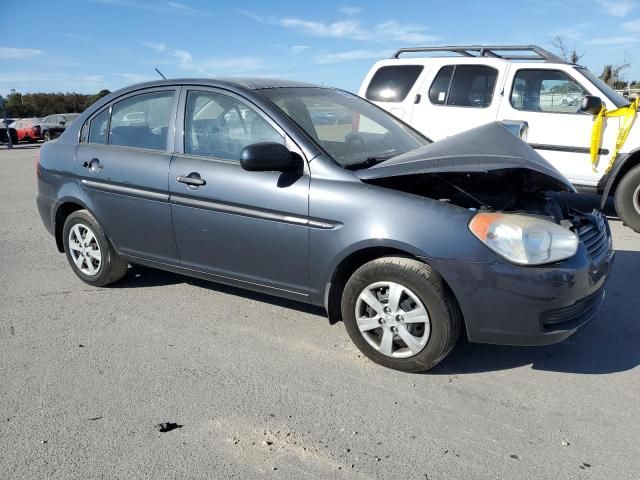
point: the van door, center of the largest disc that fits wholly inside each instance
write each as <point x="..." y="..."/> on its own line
<point x="549" y="100"/>
<point x="457" y="98"/>
<point x="390" y="87"/>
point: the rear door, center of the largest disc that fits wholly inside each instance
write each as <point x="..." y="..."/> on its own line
<point x="457" y="97"/>
<point x="123" y="168"/>
<point x="248" y="227"/>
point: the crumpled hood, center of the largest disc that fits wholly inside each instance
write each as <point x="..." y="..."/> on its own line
<point x="481" y="149"/>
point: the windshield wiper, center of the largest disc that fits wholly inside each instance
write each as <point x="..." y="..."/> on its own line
<point x="369" y="162"/>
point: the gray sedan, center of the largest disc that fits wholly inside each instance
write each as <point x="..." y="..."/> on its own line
<point x="408" y="242"/>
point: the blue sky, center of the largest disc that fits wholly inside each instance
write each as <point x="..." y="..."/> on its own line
<point x="88" y="45"/>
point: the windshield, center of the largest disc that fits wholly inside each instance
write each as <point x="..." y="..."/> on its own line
<point x="347" y="127"/>
<point x="611" y="94"/>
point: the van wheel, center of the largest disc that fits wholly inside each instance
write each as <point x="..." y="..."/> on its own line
<point x="627" y="199"/>
<point x="400" y="314"/>
<point x="88" y="251"/>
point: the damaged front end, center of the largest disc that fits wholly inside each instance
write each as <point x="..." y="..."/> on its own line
<point x="510" y="186"/>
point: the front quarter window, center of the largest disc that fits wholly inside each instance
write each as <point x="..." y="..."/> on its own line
<point x="348" y="128"/>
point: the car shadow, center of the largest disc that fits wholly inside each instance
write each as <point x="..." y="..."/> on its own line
<point x="608" y="344"/>
<point x="139" y="276"/>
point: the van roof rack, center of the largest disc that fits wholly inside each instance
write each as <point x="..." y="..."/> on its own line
<point x="533" y="52"/>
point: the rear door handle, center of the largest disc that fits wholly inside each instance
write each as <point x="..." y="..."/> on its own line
<point x="192" y="180"/>
<point x="94" y="165"/>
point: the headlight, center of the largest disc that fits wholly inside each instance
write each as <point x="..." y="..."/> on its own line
<point x="523" y="239"/>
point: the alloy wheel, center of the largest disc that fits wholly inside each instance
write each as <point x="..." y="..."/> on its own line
<point x="636" y="200"/>
<point x="392" y="319"/>
<point x="85" y="249"/>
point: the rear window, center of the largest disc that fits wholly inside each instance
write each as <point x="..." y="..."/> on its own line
<point x="392" y="83"/>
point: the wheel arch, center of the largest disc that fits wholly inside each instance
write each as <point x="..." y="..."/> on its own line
<point x="64" y="209"/>
<point x="354" y="260"/>
<point x="628" y="162"/>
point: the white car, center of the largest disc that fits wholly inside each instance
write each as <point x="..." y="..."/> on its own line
<point x="442" y="91"/>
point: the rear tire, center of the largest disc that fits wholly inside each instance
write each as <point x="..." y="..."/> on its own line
<point x="421" y="287"/>
<point x="91" y="256"/>
<point x="627" y="199"/>
<point x="46" y="136"/>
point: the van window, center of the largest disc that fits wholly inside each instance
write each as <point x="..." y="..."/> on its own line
<point x="464" y="86"/>
<point x="141" y="121"/>
<point x="440" y="86"/>
<point x="392" y="83"/>
<point x="550" y="91"/>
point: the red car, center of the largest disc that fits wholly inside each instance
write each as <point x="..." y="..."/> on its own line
<point x="28" y="129"/>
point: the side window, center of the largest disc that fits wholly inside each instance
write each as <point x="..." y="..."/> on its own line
<point x="141" y="121"/>
<point x="393" y="83"/>
<point x="471" y="86"/>
<point x="550" y="91"/>
<point x="98" y="127"/>
<point x="440" y="86"/>
<point x="220" y="126"/>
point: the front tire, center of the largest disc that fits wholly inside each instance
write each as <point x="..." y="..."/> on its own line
<point x="400" y="314"/>
<point x="46" y="136"/>
<point x="91" y="256"/>
<point x="627" y="199"/>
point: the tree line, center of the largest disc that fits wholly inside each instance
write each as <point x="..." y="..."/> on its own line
<point x="25" y="105"/>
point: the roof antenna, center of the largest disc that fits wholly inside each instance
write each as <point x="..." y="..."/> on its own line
<point x="159" y="73"/>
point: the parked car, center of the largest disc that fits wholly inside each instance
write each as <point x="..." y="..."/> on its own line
<point x="28" y="129"/>
<point x="404" y="240"/>
<point x="467" y="86"/>
<point x="53" y="125"/>
<point x="12" y="131"/>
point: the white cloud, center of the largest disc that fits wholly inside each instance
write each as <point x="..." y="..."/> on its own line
<point x="390" y="30"/>
<point x="616" y="8"/>
<point x="633" y="26"/>
<point x="352" y="55"/>
<point x="350" y="11"/>
<point x="249" y="14"/>
<point x="297" y="49"/>
<point x="212" y="66"/>
<point x="10" y="52"/>
<point x="173" y="8"/>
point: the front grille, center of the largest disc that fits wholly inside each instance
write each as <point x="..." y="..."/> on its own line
<point x="567" y="318"/>
<point x="595" y="235"/>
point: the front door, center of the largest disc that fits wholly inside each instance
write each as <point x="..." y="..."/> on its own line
<point x="123" y="164"/>
<point x="549" y="101"/>
<point x="243" y="226"/>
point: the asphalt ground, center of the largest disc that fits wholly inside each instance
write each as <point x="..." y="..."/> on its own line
<point x="267" y="388"/>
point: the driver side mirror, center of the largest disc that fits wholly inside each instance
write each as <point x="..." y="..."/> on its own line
<point x="269" y="157"/>
<point x="591" y="105"/>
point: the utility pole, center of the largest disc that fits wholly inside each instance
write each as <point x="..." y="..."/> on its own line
<point x="6" y="124"/>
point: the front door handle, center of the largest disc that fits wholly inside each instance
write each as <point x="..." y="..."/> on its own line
<point x="191" y="180"/>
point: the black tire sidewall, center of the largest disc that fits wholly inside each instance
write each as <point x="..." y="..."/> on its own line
<point x="85" y="218"/>
<point x="624" y="199"/>
<point x="432" y="300"/>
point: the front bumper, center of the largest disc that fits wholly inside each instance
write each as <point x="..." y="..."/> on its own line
<point x="507" y="304"/>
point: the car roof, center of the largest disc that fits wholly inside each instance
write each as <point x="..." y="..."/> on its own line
<point x="242" y="83"/>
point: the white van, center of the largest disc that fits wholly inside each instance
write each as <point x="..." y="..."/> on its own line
<point x="445" y="90"/>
